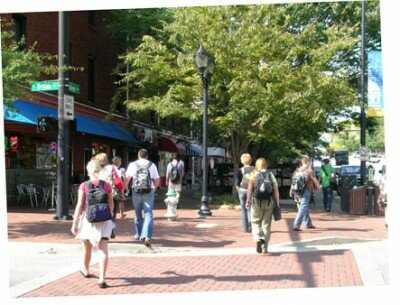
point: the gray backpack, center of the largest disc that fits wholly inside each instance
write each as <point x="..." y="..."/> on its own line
<point x="143" y="180"/>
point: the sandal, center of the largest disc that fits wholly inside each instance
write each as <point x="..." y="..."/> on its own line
<point x="102" y="285"/>
<point x="85" y="275"/>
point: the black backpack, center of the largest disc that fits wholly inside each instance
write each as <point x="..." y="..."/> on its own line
<point x="174" y="177"/>
<point x="264" y="186"/>
<point x="143" y="180"/>
<point x="98" y="209"/>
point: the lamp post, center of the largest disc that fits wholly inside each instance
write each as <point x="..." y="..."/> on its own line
<point x="205" y="64"/>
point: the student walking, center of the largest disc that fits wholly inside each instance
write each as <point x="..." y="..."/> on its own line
<point x="327" y="176"/>
<point x="93" y="233"/>
<point x="311" y="185"/>
<point x="107" y="173"/>
<point x="145" y="182"/>
<point x="262" y="194"/>
<point x="121" y="173"/>
<point x="175" y="173"/>
<point x="242" y="184"/>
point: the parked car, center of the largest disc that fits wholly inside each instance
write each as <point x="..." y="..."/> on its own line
<point x="348" y="170"/>
<point x="375" y="158"/>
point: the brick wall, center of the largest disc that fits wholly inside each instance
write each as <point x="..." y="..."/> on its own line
<point x="42" y="29"/>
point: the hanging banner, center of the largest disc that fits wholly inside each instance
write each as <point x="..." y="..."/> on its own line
<point x="375" y="84"/>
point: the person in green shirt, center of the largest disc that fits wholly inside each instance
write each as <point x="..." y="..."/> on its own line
<point x="327" y="175"/>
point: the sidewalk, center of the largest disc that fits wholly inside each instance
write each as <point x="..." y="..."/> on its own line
<point x="195" y="254"/>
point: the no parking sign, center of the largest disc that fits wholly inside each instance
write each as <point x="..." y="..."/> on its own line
<point x="53" y="147"/>
<point x="364" y="152"/>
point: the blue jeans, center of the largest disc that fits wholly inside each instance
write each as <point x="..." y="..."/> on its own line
<point x="328" y="195"/>
<point x="145" y="203"/>
<point x="246" y="224"/>
<point x="303" y="212"/>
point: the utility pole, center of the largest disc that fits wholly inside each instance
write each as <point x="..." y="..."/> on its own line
<point x="63" y="139"/>
<point x="363" y="100"/>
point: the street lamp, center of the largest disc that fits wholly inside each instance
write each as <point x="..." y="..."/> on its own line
<point x="205" y="64"/>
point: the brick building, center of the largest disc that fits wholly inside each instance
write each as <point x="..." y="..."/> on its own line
<point x="92" y="49"/>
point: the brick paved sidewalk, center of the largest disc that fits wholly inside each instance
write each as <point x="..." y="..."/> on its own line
<point x="222" y="230"/>
<point x="140" y="274"/>
<point x="160" y="268"/>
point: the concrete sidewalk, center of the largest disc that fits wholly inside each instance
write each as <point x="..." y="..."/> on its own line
<point x="195" y="254"/>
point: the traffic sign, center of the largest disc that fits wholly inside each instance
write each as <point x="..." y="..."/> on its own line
<point x="52" y="85"/>
<point x="68" y="107"/>
<point x="364" y="152"/>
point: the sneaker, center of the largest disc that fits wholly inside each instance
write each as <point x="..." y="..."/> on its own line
<point x="136" y="237"/>
<point x="147" y="242"/>
<point x="259" y="245"/>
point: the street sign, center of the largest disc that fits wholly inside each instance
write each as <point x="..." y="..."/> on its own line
<point x="74" y="88"/>
<point x="364" y="152"/>
<point x="52" y="85"/>
<point x="68" y="107"/>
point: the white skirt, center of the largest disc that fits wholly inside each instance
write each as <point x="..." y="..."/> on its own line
<point x="94" y="232"/>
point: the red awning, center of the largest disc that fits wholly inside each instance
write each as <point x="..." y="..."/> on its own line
<point x="165" y="144"/>
<point x="169" y="145"/>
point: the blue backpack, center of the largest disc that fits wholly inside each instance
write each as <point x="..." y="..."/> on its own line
<point x="98" y="209"/>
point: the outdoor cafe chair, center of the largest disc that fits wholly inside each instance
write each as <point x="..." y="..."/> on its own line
<point x="27" y="191"/>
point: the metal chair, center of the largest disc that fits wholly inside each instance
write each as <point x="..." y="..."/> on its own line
<point x="22" y="192"/>
<point x="27" y="190"/>
<point x="74" y="193"/>
<point x="46" y="192"/>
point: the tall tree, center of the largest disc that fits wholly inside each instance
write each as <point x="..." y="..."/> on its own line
<point x="281" y="70"/>
<point x="21" y="64"/>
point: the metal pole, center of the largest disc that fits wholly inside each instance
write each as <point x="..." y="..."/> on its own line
<point x="63" y="150"/>
<point x="204" y="210"/>
<point x="363" y="101"/>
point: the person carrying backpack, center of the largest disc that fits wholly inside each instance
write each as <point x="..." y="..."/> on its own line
<point x="145" y="181"/>
<point x="92" y="220"/>
<point x="311" y="185"/>
<point x="327" y="175"/>
<point x="175" y="173"/>
<point x="262" y="195"/>
<point x="119" y="172"/>
<point x="242" y="183"/>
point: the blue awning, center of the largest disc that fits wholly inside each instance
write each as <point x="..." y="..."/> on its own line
<point x="26" y="112"/>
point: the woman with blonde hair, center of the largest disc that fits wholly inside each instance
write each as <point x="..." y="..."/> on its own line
<point x="93" y="234"/>
<point x="106" y="173"/>
<point x="242" y="183"/>
<point x="262" y="194"/>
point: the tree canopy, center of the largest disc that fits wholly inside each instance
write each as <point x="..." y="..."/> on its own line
<point x="282" y="71"/>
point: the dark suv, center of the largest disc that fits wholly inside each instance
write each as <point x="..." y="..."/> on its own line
<point x="348" y="170"/>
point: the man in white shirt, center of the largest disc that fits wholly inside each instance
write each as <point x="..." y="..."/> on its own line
<point x="145" y="181"/>
<point x="175" y="173"/>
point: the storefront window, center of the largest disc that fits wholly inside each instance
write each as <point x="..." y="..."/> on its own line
<point x="46" y="155"/>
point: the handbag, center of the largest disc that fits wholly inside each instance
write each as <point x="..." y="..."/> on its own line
<point x="277" y="211"/>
